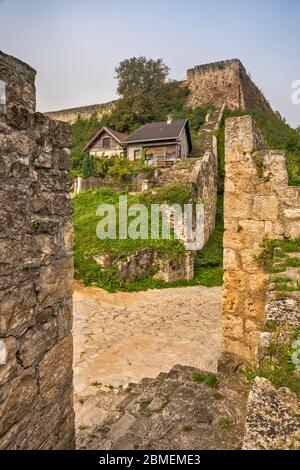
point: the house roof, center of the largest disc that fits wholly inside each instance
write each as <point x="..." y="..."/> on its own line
<point x="118" y="136"/>
<point x="160" y="131"/>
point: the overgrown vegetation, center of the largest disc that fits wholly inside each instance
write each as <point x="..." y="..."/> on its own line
<point x="145" y="96"/>
<point x="279" y="136"/>
<point x="275" y="255"/>
<point x="208" y="264"/>
<point x="209" y="379"/>
<point x="277" y="366"/>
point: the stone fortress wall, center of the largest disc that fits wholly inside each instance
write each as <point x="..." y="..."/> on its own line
<point x="85" y="112"/>
<point x="225" y="82"/>
<point x="209" y="85"/>
<point x="36" y="270"/>
<point x="257" y="202"/>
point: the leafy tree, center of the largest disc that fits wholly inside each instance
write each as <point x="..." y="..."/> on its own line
<point x="139" y="75"/>
<point x="121" y="169"/>
<point x="88" y="166"/>
<point x="102" y="165"/>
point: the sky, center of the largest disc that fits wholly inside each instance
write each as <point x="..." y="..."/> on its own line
<point x="75" y="45"/>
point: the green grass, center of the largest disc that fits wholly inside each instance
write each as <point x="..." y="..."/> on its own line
<point x="277" y="366"/>
<point x="208" y="263"/>
<point x="225" y="423"/>
<point x="209" y="379"/>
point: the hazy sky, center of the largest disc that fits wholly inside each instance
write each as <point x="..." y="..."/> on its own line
<point x="75" y="44"/>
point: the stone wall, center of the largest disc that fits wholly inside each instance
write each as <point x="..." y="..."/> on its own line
<point x="257" y="202"/>
<point x="272" y="419"/>
<point x="36" y="271"/>
<point x="224" y="82"/>
<point x="85" y="112"/>
<point x="138" y="264"/>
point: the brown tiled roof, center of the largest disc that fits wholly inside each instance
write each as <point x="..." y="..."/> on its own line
<point x="119" y="136"/>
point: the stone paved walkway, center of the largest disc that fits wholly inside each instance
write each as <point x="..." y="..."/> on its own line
<point x="124" y="337"/>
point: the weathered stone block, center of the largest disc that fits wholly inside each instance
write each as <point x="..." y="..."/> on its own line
<point x="55" y="282"/>
<point x="8" y="358"/>
<point x="56" y="364"/>
<point x="22" y="392"/>
<point x="17" y="308"/>
<point x="266" y="207"/>
<point x="36" y="341"/>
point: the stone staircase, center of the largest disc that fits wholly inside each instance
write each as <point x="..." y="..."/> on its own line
<point x="203" y="141"/>
<point x="171" y="411"/>
<point x="183" y="171"/>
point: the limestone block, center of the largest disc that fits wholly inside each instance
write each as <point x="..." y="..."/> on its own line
<point x="236" y="241"/>
<point x="237" y="347"/>
<point x="36" y="341"/>
<point x="266" y="207"/>
<point x="67" y="236"/>
<point x="294" y="230"/>
<point x="292" y="213"/>
<point x="272" y="418"/>
<point x="248" y="262"/>
<point x="64" y="319"/>
<point x="254" y="227"/>
<point x="230" y="259"/>
<point x="254" y="308"/>
<point x="56" y="364"/>
<point x="17" y="308"/>
<point x="238" y="205"/>
<point x="55" y="282"/>
<point x="258" y="282"/>
<point x="230" y="301"/>
<point x="233" y="326"/>
<point x="22" y="391"/>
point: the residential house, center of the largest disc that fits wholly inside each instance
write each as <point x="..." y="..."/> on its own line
<point x="162" y="143"/>
<point x="107" y="142"/>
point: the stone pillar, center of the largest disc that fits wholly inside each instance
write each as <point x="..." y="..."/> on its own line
<point x="248" y="208"/>
<point x="36" y="271"/>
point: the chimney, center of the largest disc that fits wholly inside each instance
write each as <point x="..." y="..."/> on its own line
<point x="169" y="120"/>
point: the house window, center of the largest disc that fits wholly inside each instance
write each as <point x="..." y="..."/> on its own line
<point x="2" y="93"/>
<point x="106" y="142"/>
<point x="136" y="154"/>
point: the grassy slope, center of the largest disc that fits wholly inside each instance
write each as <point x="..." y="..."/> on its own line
<point x="208" y="265"/>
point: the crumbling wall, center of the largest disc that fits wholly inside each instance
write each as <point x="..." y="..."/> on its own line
<point x="257" y="202"/>
<point x="224" y="82"/>
<point x="84" y="112"/>
<point x="36" y="271"/>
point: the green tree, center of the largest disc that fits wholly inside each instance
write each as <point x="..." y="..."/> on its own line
<point x="88" y="166"/>
<point x="140" y="75"/>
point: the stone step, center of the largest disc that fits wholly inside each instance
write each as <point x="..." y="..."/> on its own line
<point x="173" y="411"/>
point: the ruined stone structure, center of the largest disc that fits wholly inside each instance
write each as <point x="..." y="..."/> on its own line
<point x="85" y="112"/>
<point x="224" y="82"/>
<point x="257" y="202"/>
<point x="36" y="270"/>
<point x="170" y="268"/>
<point x="199" y="173"/>
<point x="212" y="84"/>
